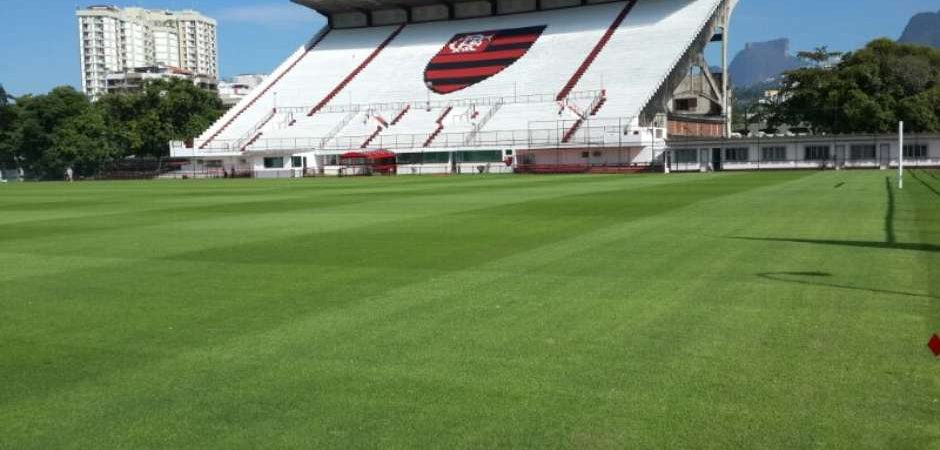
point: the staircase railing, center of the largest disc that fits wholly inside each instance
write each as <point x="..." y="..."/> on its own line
<point x="597" y="103"/>
<point x="242" y="141"/>
<point x="336" y="129"/>
<point x="482" y="123"/>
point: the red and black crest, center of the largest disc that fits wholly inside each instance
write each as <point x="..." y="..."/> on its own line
<point x="469" y="58"/>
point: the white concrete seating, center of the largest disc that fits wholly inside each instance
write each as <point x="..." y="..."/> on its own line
<point x="643" y="51"/>
<point x="311" y="79"/>
<point x="631" y="68"/>
<point x="398" y="73"/>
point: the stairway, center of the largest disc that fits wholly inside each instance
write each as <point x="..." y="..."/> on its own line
<point x="372" y="137"/>
<point x="599" y="105"/>
<point x="252" y="141"/>
<point x="264" y="91"/>
<point x="571" y="131"/>
<point x="440" y="126"/>
<point x="569" y="86"/>
<point x="401" y="115"/>
<point x="256" y="131"/>
<point x="342" y="85"/>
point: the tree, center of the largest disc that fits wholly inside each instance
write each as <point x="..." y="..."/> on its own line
<point x="869" y="91"/>
<point x="83" y="142"/>
<point x="7" y="126"/>
<point x="61" y="129"/>
<point x="37" y="119"/>
<point x="820" y="56"/>
<point x="4" y="97"/>
<point x="166" y="110"/>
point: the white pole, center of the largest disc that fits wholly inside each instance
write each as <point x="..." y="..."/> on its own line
<point x="901" y="155"/>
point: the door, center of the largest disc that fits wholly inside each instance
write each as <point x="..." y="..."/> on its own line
<point x="716" y="159"/>
<point x="885" y="155"/>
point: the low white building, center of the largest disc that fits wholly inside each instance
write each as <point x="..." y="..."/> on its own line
<point x="133" y="80"/>
<point x="803" y="152"/>
<point x="233" y="91"/>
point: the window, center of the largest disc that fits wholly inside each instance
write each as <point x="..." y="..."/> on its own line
<point x="479" y="156"/>
<point x="774" y="153"/>
<point x="859" y="152"/>
<point x="585" y="154"/>
<point x="274" y="163"/>
<point x="423" y="158"/>
<point x="917" y="151"/>
<point x="737" y="154"/>
<point x="816" y="152"/>
<point x="686" y="156"/>
<point x="686" y="104"/>
<point x="297" y="161"/>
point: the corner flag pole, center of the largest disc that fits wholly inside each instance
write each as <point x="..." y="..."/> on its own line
<point x="901" y="155"/>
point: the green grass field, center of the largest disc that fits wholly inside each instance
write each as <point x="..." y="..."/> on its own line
<point x="706" y="311"/>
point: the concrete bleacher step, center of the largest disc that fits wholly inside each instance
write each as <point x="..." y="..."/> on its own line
<point x="569" y="86"/>
<point x="265" y="90"/>
<point x="329" y="97"/>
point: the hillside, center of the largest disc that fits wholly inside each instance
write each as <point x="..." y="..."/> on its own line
<point x="924" y="29"/>
<point x="761" y="61"/>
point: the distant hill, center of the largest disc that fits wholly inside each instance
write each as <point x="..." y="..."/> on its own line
<point x="762" y="61"/>
<point x="924" y="29"/>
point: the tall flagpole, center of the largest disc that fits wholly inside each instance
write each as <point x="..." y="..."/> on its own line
<point x="901" y="155"/>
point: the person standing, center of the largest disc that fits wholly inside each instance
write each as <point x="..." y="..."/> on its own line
<point x="69" y="174"/>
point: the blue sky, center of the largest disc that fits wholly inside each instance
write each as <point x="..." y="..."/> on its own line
<point x="40" y="37"/>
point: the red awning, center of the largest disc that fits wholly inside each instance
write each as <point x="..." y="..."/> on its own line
<point x="370" y="155"/>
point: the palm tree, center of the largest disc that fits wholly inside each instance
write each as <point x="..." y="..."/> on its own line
<point x="4" y="97"/>
<point x="820" y="56"/>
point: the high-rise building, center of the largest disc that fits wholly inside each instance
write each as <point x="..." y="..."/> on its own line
<point x="114" y="40"/>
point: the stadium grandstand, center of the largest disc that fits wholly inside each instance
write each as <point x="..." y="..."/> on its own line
<point x="451" y="86"/>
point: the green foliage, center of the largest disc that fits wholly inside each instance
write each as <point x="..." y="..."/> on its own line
<point x="7" y="124"/>
<point x="63" y="129"/>
<point x="869" y="91"/>
<point x="37" y="120"/>
<point x="819" y="55"/>
<point x="83" y="142"/>
<point x="4" y="97"/>
<point x="166" y="110"/>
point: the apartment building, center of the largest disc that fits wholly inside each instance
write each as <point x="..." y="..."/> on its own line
<point x="113" y="40"/>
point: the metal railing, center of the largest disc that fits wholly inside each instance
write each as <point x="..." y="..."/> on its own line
<point x="482" y="123"/>
<point x="594" y="133"/>
<point x="437" y="104"/>
<point x="250" y="134"/>
<point x="678" y="165"/>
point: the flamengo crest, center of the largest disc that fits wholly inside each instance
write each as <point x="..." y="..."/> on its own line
<point x="469" y="58"/>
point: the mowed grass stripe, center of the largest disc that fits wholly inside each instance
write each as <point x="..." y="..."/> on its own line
<point x="600" y="329"/>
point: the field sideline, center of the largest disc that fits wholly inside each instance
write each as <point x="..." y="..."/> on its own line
<point x="704" y="311"/>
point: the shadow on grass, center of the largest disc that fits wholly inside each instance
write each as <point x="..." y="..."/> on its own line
<point x="889" y="214"/>
<point x="917" y="247"/>
<point x="890" y="242"/>
<point x="820" y="279"/>
<point x="926" y="184"/>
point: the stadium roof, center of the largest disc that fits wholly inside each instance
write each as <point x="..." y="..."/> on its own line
<point x="328" y="7"/>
